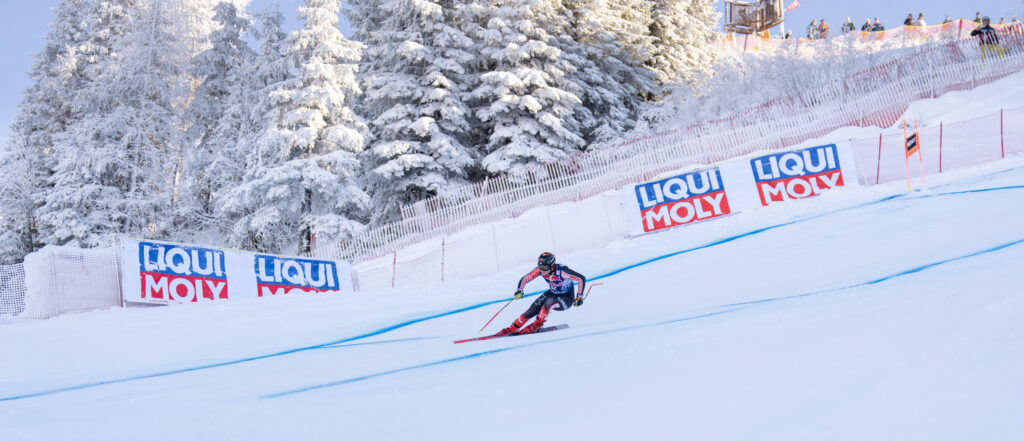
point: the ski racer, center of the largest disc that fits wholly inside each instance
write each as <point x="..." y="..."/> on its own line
<point x="562" y="284"/>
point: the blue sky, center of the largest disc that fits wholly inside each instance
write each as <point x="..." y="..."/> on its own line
<point x="24" y="23"/>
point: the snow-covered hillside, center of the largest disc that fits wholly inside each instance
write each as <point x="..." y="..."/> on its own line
<point x="866" y="313"/>
<point x="863" y="314"/>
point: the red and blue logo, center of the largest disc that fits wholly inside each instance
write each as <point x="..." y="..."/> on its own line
<point x="682" y="199"/>
<point x="182" y="274"/>
<point x="797" y="175"/>
<point x="277" y="275"/>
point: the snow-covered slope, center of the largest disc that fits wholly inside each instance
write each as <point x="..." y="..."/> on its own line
<point x="863" y="314"/>
<point x="866" y="313"/>
<point x="1005" y="93"/>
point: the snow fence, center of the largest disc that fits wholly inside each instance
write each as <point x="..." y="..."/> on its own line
<point x="514" y="243"/>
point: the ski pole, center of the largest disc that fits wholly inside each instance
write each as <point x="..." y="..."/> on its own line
<point x="496" y="315"/>
<point x="591" y="287"/>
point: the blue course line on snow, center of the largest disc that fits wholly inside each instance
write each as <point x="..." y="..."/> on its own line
<point x="490" y="352"/>
<point x="733" y="308"/>
<point x="801" y="220"/>
<point x="379" y="342"/>
<point x="448" y="313"/>
<point x="244" y="360"/>
<point x="878" y="280"/>
<point x="232" y="362"/>
<point x="980" y="190"/>
<point x="749" y="233"/>
<point x="981" y="178"/>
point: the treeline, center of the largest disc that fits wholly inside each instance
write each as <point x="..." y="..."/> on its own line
<point x="192" y="120"/>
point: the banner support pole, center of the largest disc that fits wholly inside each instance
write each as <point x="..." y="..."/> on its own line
<point x="920" y="154"/>
<point x="905" y="156"/>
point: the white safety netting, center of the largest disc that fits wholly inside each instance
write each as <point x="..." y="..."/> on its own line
<point x="512" y="243"/>
<point x="12" y="289"/>
<point x="945" y="147"/>
<point x="62" y="280"/>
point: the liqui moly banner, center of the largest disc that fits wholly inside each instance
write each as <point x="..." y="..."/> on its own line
<point x="177" y="273"/>
<point x="674" y="201"/>
<point x="797" y="174"/>
<point x="750" y="184"/>
<point x="277" y="275"/>
<point x="161" y="272"/>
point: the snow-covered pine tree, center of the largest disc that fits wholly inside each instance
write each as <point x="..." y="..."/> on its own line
<point x="219" y="119"/>
<point x="684" y="49"/>
<point x="265" y="71"/>
<point x="525" y="112"/>
<point x="611" y="79"/>
<point x="58" y="75"/>
<point x="20" y="182"/>
<point x="270" y="65"/>
<point x="302" y="171"/>
<point x="114" y="168"/>
<point x="413" y="72"/>
<point x="629" y="21"/>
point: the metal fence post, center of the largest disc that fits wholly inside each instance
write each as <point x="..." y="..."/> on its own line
<point x="940" y="146"/>
<point x="878" y="170"/>
<point x="1002" y="139"/>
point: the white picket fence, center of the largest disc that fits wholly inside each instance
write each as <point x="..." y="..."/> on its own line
<point x="874" y="97"/>
<point x="572" y="225"/>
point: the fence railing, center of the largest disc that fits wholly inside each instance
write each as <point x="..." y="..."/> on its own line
<point x="945" y="147"/>
<point x="514" y="243"/>
<point x="906" y="35"/>
<point x="874" y="97"/>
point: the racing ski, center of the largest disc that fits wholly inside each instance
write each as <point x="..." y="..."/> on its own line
<point x="488" y="337"/>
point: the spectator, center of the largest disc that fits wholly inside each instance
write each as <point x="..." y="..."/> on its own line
<point x="789" y="34"/>
<point x="848" y="26"/>
<point x="920" y="20"/>
<point x="947" y="27"/>
<point x="866" y="27"/>
<point x="977" y="17"/>
<point x="877" y="26"/>
<point x="812" y="30"/>
<point x="823" y="30"/>
<point x="986" y="33"/>
<point x="987" y="38"/>
<point x="909" y="21"/>
<point x="1002" y="21"/>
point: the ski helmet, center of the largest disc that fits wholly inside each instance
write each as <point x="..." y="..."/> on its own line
<point x="546" y="261"/>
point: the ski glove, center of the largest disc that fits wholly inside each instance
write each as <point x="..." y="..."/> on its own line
<point x="518" y="295"/>
<point x="578" y="301"/>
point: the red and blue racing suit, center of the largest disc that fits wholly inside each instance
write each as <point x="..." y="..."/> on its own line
<point x="561" y="283"/>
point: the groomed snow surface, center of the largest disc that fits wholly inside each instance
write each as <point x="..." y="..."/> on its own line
<point x="867" y="313"/>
